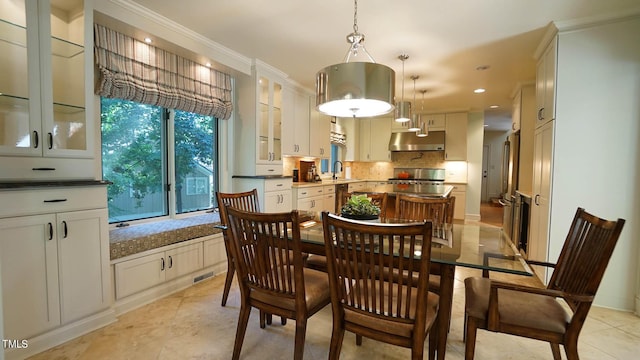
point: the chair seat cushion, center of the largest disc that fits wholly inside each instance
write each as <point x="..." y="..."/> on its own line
<point x="400" y="327"/>
<point x="516" y="308"/>
<point x="316" y="288"/>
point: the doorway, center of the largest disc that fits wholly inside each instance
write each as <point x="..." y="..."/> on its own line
<point x="484" y="195"/>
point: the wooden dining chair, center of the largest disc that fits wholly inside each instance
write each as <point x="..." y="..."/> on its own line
<point x="319" y="262"/>
<point x="437" y="210"/>
<point x="536" y="313"/>
<point x="247" y="201"/>
<point x="375" y="305"/>
<point x="271" y="274"/>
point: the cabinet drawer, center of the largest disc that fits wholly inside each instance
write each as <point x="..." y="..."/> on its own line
<point x="329" y="189"/>
<point x="459" y="188"/>
<point x="37" y="168"/>
<point x="277" y="184"/>
<point x="270" y="169"/>
<point x="41" y="201"/>
<point x="308" y="191"/>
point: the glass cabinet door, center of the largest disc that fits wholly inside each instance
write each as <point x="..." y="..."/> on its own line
<point x="277" y="121"/>
<point x="263" y="120"/>
<point x="66" y="125"/>
<point x="19" y="78"/>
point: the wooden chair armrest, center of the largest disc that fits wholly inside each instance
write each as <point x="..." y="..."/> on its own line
<point x="493" y="317"/>
<point x="541" y="263"/>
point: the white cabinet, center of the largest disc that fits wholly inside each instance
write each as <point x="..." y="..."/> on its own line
<point x="541" y="204"/>
<point x="295" y="126"/>
<point x="456" y="137"/>
<point x="460" y="207"/>
<point x="47" y="83"/>
<point x="147" y="271"/>
<point x="319" y="133"/>
<point x="258" y="125"/>
<point x="374" y="138"/>
<point x="274" y="194"/>
<point x="545" y="83"/>
<point x="434" y="122"/>
<point x="215" y="253"/>
<point x="314" y="198"/>
<point x="55" y="263"/>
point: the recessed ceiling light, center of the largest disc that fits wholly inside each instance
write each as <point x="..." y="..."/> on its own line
<point x="485" y="125"/>
<point x="207" y="64"/>
<point x="479" y="90"/>
<point x="494" y="106"/>
<point x="148" y="40"/>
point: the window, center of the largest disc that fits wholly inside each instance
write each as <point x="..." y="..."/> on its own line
<point x="161" y="162"/>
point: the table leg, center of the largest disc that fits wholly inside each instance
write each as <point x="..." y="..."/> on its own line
<point x="447" y="277"/>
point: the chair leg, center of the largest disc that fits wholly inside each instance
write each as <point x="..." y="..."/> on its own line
<point x="337" y="336"/>
<point x="283" y="320"/>
<point x="470" y="339"/>
<point x="301" y="331"/>
<point x="231" y="269"/>
<point x="263" y="319"/>
<point x="555" y="350"/>
<point x="243" y="319"/>
<point x="358" y="339"/>
<point x="433" y="341"/>
<point x="571" y="349"/>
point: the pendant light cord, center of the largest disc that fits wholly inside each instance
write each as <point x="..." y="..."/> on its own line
<point x="355" y="16"/>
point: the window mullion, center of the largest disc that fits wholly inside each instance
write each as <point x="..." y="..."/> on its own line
<point x="171" y="161"/>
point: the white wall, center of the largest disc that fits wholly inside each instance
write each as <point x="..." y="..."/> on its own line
<point x="597" y="151"/>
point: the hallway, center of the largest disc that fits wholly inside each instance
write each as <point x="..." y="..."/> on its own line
<point x="491" y="214"/>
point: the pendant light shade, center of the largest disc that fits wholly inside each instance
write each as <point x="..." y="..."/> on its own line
<point x="424" y="130"/>
<point x="403" y="108"/>
<point x="414" y="123"/>
<point x="355" y="89"/>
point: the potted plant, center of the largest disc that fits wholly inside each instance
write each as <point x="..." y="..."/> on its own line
<point x="360" y="207"/>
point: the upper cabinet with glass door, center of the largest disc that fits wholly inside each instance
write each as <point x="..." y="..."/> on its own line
<point x="44" y="110"/>
<point x="261" y="104"/>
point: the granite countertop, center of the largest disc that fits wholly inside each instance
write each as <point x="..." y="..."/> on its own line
<point x="328" y="182"/>
<point x="135" y="239"/>
<point x="51" y="183"/>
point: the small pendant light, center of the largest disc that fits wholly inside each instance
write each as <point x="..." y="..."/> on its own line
<point x="424" y="130"/>
<point x="403" y="108"/>
<point x="414" y="123"/>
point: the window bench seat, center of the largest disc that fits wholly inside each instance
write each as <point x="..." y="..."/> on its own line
<point x="139" y="238"/>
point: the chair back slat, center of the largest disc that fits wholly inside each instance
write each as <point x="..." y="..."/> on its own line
<point x="247" y="201"/>
<point x="585" y="255"/>
<point x="269" y="246"/>
<point x="363" y="250"/>
<point x="437" y="210"/>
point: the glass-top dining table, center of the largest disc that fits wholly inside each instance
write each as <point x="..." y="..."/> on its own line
<point x="468" y="245"/>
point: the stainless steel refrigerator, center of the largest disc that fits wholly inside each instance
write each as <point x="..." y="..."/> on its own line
<point x="510" y="156"/>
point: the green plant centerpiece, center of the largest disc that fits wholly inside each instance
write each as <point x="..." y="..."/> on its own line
<point x="360" y="207"/>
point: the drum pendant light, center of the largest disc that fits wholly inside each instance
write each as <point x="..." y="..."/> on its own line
<point x="403" y="108"/>
<point x="355" y="89"/>
<point x="414" y="123"/>
<point x="424" y="130"/>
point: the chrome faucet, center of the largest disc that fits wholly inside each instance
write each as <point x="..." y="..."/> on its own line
<point x="334" y="177"/>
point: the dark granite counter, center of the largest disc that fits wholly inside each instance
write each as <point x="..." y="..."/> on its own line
<point x="51" y="183"/>
<point x="138" y="238"/>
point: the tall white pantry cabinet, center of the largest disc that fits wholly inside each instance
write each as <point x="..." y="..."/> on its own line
<point x="589" y="138"/>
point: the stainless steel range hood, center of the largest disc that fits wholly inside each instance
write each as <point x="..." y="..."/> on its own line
<point x="409" y="141"/>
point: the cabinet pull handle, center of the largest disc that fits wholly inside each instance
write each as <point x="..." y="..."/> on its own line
<point x="170" y="262"/>
<point x="535" y="199"/>
<point x="50" y="231"/>
<point x="279" y="185"/>
<point x="270" y="170"/>
<point x="540" y="113"/>
<point x="36" y="140"/>
<point x="161" y="264"/>
<point x="43" y="169"/>
<point x="64" y="229"/>
<point x="50" y="140"/>
<point x="55" y="200"/>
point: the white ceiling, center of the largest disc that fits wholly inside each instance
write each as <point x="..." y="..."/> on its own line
<point x="446" y="40"/>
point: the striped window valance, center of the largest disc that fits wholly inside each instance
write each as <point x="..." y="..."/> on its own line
<point x="133" y="70"/>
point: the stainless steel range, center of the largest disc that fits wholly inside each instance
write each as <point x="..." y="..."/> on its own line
<point x="422" y="181"/>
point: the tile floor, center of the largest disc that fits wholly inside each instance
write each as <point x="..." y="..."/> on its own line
<point x="191" y="324"/>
